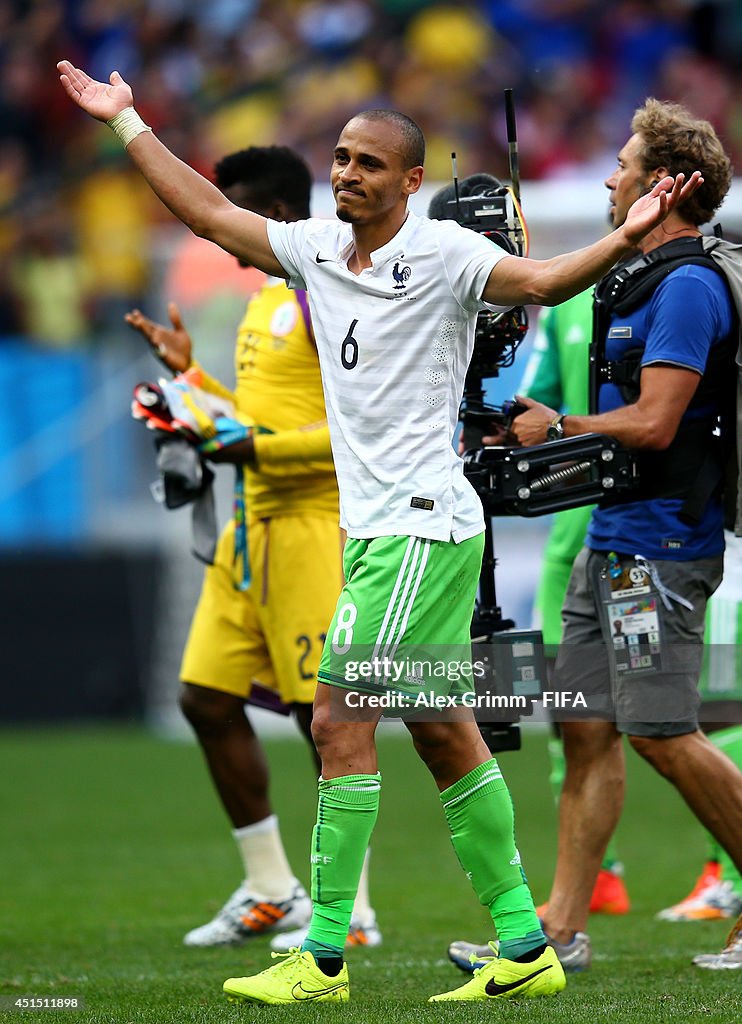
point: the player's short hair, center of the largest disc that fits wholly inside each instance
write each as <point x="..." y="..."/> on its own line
<point x="672" y="137"/>
<point x="475" y="184"/>
<point x="271" y="173"/>
<point x="413" y="148"/>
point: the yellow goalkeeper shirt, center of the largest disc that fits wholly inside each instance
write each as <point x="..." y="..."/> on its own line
<point x="279" y="393"/>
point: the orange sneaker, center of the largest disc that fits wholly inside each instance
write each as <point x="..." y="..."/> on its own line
<point x="709" y="877"/>
<point x="711" y="899"/>
<point x="609" y="895"/>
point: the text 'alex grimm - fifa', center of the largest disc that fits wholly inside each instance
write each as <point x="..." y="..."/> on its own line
<point x="430" y="699"/>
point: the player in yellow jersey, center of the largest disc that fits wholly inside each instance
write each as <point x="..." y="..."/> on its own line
<point x="267" y="599"/>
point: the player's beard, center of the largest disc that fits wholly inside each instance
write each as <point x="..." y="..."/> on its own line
<point x="346" y="215"/>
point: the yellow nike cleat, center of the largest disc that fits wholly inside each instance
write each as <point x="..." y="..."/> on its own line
<point x="296" y="979"/>
<point x="510" y="979"/>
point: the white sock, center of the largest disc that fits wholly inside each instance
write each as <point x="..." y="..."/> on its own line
<point x="362" y="910"/>
<point x="267" y="868"/>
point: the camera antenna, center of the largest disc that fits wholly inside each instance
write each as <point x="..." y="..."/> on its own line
<point x="512" y="143"/>
<point x="455" y="174"/>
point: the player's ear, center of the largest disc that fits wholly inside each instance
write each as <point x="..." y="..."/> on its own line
<point x="278" y="211"/>
<point x="414" y="180"/>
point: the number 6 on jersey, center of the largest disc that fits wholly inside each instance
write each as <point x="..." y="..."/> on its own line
<point x="349" y="348"/>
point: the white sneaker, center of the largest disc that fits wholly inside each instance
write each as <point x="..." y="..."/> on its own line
<point x="716" y="902"/>
<point x="730" y="958"/>
<point x="247" y="914"/>
<point x="575" y="955"/>
<point x="359" y="934"/>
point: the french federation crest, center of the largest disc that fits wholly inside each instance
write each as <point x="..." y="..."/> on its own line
<point x="401" y="275"/>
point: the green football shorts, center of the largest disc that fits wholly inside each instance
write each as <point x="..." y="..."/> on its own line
<point x="401" y="629"/>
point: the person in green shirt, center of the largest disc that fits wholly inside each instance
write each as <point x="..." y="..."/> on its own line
<point x="557" y="374"/>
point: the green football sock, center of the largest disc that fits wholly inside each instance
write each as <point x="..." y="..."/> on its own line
<point x="479" y="812"/>
<point x="558" y="762"/>
<point x="729" y="741"/>
<point x="346" y="815"/>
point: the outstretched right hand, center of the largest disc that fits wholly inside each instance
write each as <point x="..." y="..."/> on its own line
<point x="97" y="99"/>
<point x="172" y="346"/>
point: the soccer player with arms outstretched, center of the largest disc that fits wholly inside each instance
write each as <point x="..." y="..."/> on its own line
<point x="394" y="301"/>
<point x="266" y="601"/>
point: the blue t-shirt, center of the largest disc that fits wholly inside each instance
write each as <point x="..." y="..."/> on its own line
<point x="690" y="311"/>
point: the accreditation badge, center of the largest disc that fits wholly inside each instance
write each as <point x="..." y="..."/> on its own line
<point x="630" y="601"/>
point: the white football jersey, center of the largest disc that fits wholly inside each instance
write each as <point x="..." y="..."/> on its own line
<point x="394" y="344"/>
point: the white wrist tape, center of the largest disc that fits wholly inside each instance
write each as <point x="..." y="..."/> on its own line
<point x="127" y="125"/>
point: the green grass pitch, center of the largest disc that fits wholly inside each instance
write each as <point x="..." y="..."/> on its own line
<point x="113" y="845"/>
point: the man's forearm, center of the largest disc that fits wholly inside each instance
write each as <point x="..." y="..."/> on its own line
<point x="241" y="453"/>
<point x="651" y="422"/>
<point x="184" y="191"/>
<point x="516" y="280"/>
<point x="201" y="206"/>
<point x="565" y="276"/>
<point x="304" y="451"/>
<point x="628" y="425"/>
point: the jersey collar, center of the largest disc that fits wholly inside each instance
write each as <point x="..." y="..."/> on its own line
<point x="394" y="248"/>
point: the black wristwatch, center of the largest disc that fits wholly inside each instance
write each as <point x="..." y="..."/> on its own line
<point x="555" y="430"/>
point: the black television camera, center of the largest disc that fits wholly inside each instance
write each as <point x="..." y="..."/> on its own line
<point x="484" y="204"/>
<point x="515" y="481"/>
<point x="513" y="658"/>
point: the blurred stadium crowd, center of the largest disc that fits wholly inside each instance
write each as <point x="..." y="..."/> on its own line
<point x="76" y="223"/>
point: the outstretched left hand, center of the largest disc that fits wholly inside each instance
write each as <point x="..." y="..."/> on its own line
<point x="650" y="210"/>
